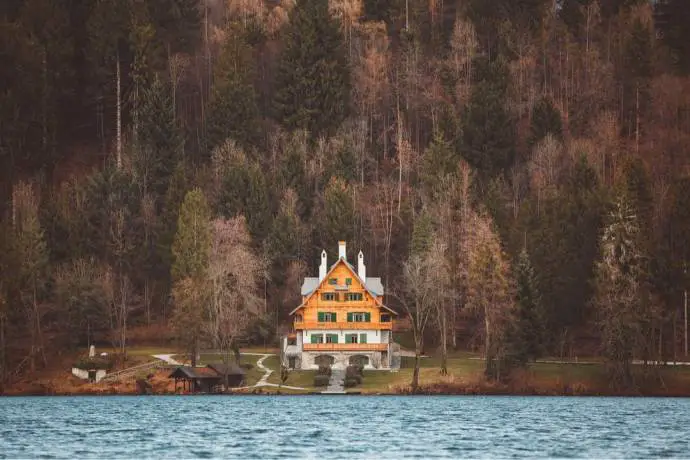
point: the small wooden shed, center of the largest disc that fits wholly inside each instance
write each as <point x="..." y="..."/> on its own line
<point x="209" y="379"/>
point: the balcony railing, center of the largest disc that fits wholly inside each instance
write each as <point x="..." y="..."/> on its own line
<point x="300" y="325"/>
<point x="345" y="347"/>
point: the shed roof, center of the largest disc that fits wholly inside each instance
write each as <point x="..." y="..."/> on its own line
<point x="229" y="369"/>
<point x="188" y="372"/>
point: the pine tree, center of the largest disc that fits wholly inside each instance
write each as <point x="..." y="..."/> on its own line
<point x="489" y="134"/>
<point x="337" y="214"/>
<point x="439" y="160"/>
<point x="160" y="140"/>
<point x="313" y="81"/>
<point x="545" y="120"/>
<point x="621" y="296"/>
<point x="564" y="256"/>
<point x="233" y="112"/>
<point x="528" y="327"/>
<point x="192" y="244"/>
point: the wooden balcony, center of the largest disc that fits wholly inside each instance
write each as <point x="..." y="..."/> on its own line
<point x="345" y="347"/>
<point x="341" y="325"/>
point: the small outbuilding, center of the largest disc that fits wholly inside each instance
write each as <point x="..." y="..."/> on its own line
<point x="209" y="379"/>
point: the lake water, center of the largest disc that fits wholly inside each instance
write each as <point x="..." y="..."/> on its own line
<point x="343" y="426"/>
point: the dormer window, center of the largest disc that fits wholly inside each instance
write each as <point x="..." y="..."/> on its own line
<point x="348" y="281"/>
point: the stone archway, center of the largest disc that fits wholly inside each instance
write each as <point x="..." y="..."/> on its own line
<point x="324" y="360"/>
<point x="358" y="360"/>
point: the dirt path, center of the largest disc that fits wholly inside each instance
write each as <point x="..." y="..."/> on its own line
<point x="168" y="359"/>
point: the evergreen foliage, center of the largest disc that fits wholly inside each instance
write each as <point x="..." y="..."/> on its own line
<point x="192" y="244"/>
<point x="545" y="120"/>
<point x="529" y="324"/>
<point x="488" y="142"/>
<point x="313" y="81"/>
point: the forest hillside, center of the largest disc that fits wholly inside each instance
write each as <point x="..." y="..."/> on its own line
<point x="516" y="171"/>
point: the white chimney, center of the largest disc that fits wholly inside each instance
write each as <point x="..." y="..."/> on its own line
<point x="323" y="268"/>
<point x="361" y="268"/>
<point x="342" y="253"/>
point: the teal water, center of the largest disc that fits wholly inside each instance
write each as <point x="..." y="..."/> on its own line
<point x="343" y="427"/>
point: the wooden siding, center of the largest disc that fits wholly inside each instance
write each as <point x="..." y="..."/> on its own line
<point x="308" y="316"/>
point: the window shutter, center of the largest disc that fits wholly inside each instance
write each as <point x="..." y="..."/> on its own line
<point x="313" y="339"/>
<point x="367" y="317"/>
<point x="362" y="338"/>
<point x="334" y="338"/>
<point x="349" y="317"/>
<point x="321" y="317"/>
<point x="334" y="317"/>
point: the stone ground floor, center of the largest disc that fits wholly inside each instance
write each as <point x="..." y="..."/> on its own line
<point x="307" y="360"/>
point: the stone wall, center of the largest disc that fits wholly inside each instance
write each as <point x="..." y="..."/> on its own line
<point x="84" y="374"/>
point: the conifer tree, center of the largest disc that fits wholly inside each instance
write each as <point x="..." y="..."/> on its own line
<point x="528" y="327"/>
<point x="545" y="120"/>
<point x="193" y="239"/>
<point x="313" y="81"/>
<point x="621" y="296"/>
<point x="160" y="140"/>
<point x="337" y="214"/>
<point x="489" y="128"/>
<point x="233" y="111"/>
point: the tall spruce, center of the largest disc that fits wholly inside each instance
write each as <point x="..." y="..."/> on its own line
<point x="529" y="326"/>
<point x="233" y="112"/>
<point x="313" y="80"/>
<point x="160" y="140"/>
<point x="489" y="133"/>
<point x="620" y="292"/>
<point x="193" y="239"/>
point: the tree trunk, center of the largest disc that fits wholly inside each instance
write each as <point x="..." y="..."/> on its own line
<point x="417" y="359"/>
<point x="119" y="112"/>
<point x="487" y="346"/>
<point x="444" y="340"/>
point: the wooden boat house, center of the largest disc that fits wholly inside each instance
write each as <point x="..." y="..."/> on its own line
<point x="209" y="379"/>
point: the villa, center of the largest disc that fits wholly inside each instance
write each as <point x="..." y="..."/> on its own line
<point x="342" y="320"/>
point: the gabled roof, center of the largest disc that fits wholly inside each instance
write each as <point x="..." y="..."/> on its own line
<point x="372" y="285"/>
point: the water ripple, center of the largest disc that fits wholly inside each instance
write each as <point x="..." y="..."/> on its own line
<point x="332" y="426"/>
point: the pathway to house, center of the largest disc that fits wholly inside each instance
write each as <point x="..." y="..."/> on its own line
<point x="336" y="384"/>
<point x="263" y="381"/>
<point x="168" y="359"/>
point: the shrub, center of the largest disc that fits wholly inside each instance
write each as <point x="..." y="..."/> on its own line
<point x="353" y="371"/>
<point x="351" y="382"/>
<point x="321" y="380"/>
<point x="324" y="370"/>
<point x="97" y="362"/>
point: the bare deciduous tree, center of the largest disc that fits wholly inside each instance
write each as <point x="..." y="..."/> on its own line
<point x="234" y="272"/>
<point x="419" y="293"/>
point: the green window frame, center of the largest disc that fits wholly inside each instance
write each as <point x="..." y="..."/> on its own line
<point x="354" y="296"/>
<point x="351" y="338"/>
<point x="348" y="281"/>
<point x="316" y="338"/>
<point x="329" y="296"/>
<point x="358" y="317"/>
<point x="333" y="281"/>
<point x="362" y="338"/>
<point x="326" y="317"/>
<point x="331" y="338"/>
